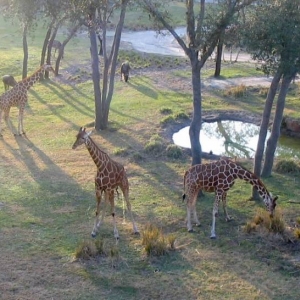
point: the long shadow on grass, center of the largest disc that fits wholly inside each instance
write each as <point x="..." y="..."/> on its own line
<point x="66" y="97"/>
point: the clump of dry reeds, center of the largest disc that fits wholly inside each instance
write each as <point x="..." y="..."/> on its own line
<point x="262" y="220"/>
<point x="155" y="242"/>
<point x="89" y="249"/>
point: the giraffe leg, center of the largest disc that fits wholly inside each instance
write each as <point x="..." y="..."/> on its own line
<point x="20" y="124"/>
<point x="227" y="217"/>
<point x="126" y="199"/>
<point x="215" y="214"/>
<point x="1" y="113"/>
<point x="191" y="209"/>
<point x="112" y="205"/>
<point x="97" y="222"/>
<point x="8" y="121"/>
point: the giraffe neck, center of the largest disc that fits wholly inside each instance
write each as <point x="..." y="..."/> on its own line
<point x="254" y="181"/>
<point x="99" y="157"/>
<point x="29" y="81"/>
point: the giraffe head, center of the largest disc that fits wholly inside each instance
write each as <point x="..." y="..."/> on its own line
<point x="81" y="137"/>
<point x="270" y="202"/>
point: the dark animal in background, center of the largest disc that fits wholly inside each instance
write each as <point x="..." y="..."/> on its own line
<point x="125" y="68"/>
<point x="57" y="46"/>
<point x="8" y="80"/>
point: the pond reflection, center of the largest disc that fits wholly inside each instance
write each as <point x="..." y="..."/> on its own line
<point x="234" y="139"/>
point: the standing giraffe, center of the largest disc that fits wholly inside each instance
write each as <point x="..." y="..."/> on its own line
<point x="110" y="176"/>
<point x="219" y="177"/>
<point x="17" y="96"/>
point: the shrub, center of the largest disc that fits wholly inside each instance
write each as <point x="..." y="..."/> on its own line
<point x="155" y="145"/>
<point x="136" y="157"/>
<point x="120" y="151"/>
<point x="165" y="111"/>
<point x="297" y="233"/>
<point x="181" y="116"/>
<point x="166" y="120"/>
<point x="173" y="151"/>
<point x="286" y="166"/>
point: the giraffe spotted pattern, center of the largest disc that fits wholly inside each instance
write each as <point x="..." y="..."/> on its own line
<point x="110" y="175"/>
<point x="18" y="97"/>
<point x="219" y="177"/>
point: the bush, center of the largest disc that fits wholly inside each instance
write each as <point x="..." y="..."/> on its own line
<point x="120" y="152"/>
<point x="181" y="116"/>
<point x="286" y="166"/>
<point x="165" y="111"/>
<point x="167" y="119"/>
<point x="297" y="233"/>
<point x="173" y="151"/>
<point x="155" y="145"/>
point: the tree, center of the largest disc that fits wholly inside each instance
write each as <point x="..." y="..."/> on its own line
<point x="98" y="14"/>
<point x="27" y="13"/>
<point x="201" y="41"/>
<point x="276" y="45"/>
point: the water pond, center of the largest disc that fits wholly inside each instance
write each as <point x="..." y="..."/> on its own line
<point x="235" y="139"/>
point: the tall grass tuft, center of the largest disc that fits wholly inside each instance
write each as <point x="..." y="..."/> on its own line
<point x="155" y="242"/>
<point x="262" y="220"/>
<point x="86" y="250"/>
<point x="89" y="249"/>
<point x="236" y="91"/>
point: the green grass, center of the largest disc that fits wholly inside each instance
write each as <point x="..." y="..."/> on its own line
<point x="47" y="202"/>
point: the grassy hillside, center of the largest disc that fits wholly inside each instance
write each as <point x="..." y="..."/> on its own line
<point x="47" y="201"/>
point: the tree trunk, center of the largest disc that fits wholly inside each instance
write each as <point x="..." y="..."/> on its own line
<point x="44" y="50"/>
<point x="219" y="58"/>
<point x="264" y="129"/>
<point x="195" y="126"/>
<point x="50" y="42"/>
<point x="63" y="45"/>
<point x="25" y="50"/>
<point x="96" y="79"/>
<point x="275" y="134"/>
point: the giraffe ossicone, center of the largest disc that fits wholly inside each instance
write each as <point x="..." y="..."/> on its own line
<point x="110" y="175"/>
<point x="219" y="177"/>
<point x="17" y="96"/>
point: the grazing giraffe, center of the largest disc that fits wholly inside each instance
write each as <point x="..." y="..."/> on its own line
<point x="110" y="175"/>
<point x="219" y="177"/>
<point x="17" y="96"/>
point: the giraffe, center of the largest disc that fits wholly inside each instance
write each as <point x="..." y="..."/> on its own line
<point x="219" y="177"/>
<point x="110" y="175"/>
<point x="17" y="96"/>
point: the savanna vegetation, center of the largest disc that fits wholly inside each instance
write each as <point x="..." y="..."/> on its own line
<point x="47" y="200"/>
